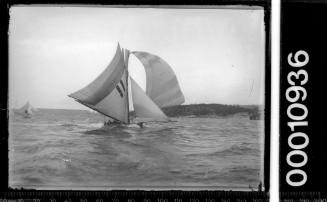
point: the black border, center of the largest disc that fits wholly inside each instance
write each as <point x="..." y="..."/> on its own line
<point x="7" y="192"/>
<point x="4" y="159"/>
<point x="303" y="28"/>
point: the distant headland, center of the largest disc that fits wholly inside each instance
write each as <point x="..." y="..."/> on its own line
<point x="200" y="110"/>
<point x="211" y="110"/>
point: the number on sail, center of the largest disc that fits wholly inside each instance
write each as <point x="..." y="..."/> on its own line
<point x="122" y="85"/>
<point x="119" y="91"/>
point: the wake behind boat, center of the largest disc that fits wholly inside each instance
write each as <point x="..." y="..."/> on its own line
<point x="108" y="94"/>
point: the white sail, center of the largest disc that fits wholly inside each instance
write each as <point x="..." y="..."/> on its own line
<point x="114" y="105"/>
<point x="126" y="57"/>
<point x="104" y="84"/>
<point x="27" y="109"/>
<point x="161" y="82"/>
<point x="107" y="94"/>
<point x="144" y="107"/>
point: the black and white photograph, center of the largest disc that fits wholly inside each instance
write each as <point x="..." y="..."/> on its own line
<point x="137" y="98"/>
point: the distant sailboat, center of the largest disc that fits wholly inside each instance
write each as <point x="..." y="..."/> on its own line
<point x="26" y="111"/>
<point x="108" y="93"/>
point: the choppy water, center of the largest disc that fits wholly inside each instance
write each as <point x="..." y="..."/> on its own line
<point x="58" y="149"/>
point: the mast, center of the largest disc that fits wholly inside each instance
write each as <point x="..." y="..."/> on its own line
<point x="126" y="57"/>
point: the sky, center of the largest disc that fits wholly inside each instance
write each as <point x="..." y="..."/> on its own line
<point x="218" y="54"/>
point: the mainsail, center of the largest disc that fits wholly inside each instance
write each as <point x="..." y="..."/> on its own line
<point x="126" y="57"/>
<point x="161" y="82"/>
<point x="143" y="106"/>
<point x="107" y="94"/>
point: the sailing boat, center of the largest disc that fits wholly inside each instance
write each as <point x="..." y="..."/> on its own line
<point x="26" y="111"/>
<point x="108" y="94"/>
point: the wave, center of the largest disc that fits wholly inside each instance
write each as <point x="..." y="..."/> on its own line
<point x="81" y="124"/>
<point x="236" y="150"/>
<point x="91" y="125"/>
<point x="243" y="174"/>
<point x="243" y="170"/>
<point x="71" y="150"/>
<point x="68" y="125"/>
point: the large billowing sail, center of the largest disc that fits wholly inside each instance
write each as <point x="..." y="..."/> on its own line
<point x="144" y="107"/>
<point x="108" y="94"/>
<point x="161" y="82"/>
<point x="104" y="84"/>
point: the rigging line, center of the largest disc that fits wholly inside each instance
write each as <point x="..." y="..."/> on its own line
<point x="127" y="95"/>
<point x="251" y="88"/>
